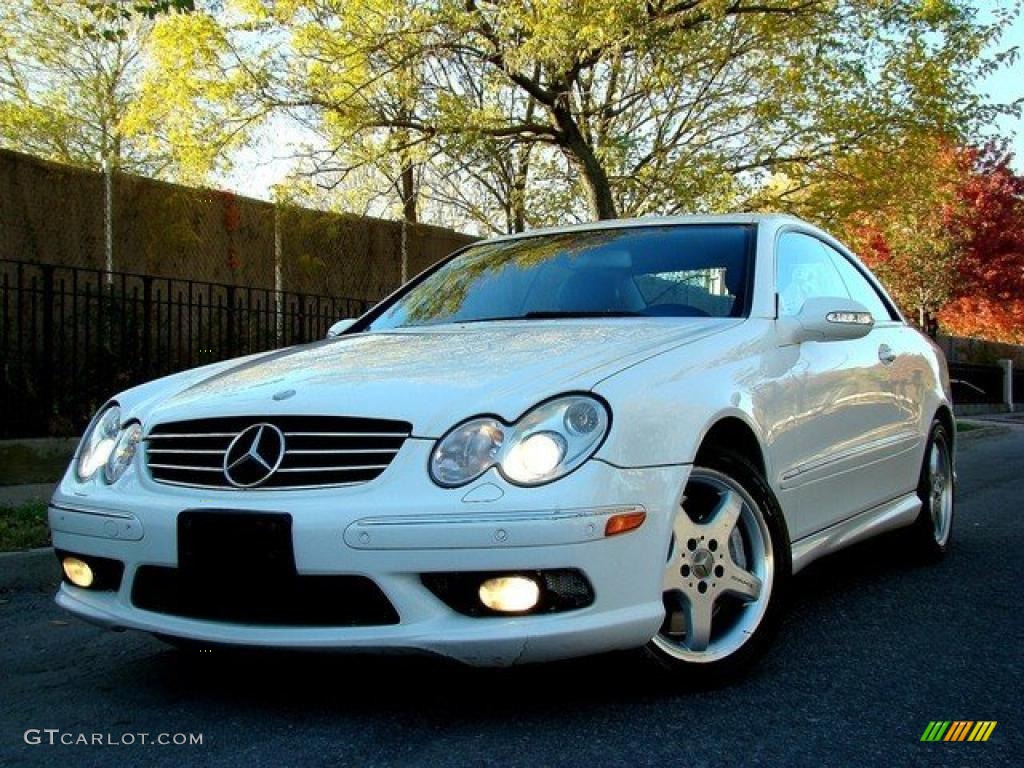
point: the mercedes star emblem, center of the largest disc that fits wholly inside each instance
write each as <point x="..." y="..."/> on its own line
<point x="254" y="455"/>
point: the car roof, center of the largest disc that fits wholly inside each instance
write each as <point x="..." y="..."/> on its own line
<point x="659" y="221"/>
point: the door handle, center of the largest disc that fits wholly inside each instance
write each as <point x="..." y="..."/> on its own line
<point x="886" y="355"/>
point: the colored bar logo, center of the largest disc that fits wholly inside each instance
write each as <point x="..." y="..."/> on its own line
<point x="958" y="730"/>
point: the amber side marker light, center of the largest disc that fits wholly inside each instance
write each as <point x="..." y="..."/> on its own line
<point x="78" y="572"/>
<point x="625" y="522"/>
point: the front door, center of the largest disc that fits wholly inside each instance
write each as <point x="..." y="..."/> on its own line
<point x="843" y="419"/>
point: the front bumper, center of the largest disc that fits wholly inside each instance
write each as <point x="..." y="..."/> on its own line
<point x="392" y="530"/>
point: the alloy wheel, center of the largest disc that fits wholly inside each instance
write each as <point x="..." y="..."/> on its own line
<point x="719" y="573"/>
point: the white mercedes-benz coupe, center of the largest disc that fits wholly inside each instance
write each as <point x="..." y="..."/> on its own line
<point x="620" y="435"/>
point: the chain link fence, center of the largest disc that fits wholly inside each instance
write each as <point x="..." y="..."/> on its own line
<point x="55" y="214"/>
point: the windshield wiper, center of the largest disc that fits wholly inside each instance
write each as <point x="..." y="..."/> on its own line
<point x="581" y="313"/>
<point x="496" y="319"/>
<point x="548" y="315"/>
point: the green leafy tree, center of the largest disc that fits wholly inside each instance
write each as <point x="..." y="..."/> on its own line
<point x="73" y="87"/>
<point x="189" y="104"/>
<point x="65" y="85"/>
<point x="654" y="105"/>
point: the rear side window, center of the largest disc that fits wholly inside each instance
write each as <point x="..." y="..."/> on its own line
<point x="860" y="289"/>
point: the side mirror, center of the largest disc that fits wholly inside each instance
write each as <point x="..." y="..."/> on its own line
<point x="340" y="327"/>
<point x="827" y="318"/>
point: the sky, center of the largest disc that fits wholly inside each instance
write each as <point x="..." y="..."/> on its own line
<point x="267" y="162"/>
<point x="1007" y="85"/>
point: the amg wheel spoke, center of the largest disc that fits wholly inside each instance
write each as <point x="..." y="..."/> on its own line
<point x="741" y="583"/>
<point x="684" y="529"/>
<point x="727" y="513"/>
<point x="698" y="623"/>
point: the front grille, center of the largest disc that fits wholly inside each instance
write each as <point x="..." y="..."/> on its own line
<point x="299" y="601"/>
<point x="318" y="450"/>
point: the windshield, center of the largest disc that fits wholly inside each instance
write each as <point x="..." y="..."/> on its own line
<point x="668" y="271"/>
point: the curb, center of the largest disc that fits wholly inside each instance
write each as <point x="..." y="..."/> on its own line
<point x="31" y="569"/>
<point x="982" y="431"/>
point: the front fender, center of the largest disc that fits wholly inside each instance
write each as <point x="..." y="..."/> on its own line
<point x="663" y="407"/>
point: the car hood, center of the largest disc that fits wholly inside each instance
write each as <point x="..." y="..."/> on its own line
<point x="431" y="377"/>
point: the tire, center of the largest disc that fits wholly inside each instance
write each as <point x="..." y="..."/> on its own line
<point x="932" y="533"/>
<point x="727" y="573"/>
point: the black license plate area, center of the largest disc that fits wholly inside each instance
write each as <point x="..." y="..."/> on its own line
<point x="252" y="547"/>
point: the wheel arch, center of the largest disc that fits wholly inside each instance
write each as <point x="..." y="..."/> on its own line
<point x="945" y="415"/>
<point x="733" y="433"/>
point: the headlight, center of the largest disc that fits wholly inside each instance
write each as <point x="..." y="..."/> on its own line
<point x="98" y="443"/>
<point x="467" y="452"/>
<point x="547" y="443"/>
<point x="124" y="451"/>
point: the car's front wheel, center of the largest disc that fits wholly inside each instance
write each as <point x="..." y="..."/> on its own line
<point x="727" y="571"/>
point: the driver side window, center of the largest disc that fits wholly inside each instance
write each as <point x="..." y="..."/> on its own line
<point x="804" y="270"/>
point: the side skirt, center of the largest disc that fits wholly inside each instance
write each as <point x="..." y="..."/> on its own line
<point x="898" y="513"/>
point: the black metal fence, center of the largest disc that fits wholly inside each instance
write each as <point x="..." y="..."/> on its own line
<point x="70" y="337"/>
<point x="973" y="384"/>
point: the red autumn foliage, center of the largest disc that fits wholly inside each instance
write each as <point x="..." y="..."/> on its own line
<point x="985" y="318"/>
<point x="989" y="229"/>
<point x="977" y="234"/>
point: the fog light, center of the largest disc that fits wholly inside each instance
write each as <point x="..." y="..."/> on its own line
<point x="78" y="572"/>
<point x="510" y="594"/>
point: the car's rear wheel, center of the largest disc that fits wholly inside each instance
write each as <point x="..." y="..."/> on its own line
<point x="727" y="571"/>
<point x="933" y="530"/>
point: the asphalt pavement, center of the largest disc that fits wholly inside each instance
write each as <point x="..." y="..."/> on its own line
<point x="874" y="647"/>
